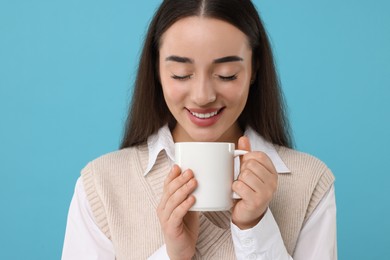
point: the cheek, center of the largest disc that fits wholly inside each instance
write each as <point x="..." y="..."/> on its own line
<point x="240" y="99"/>
<point x="172" y="93"/>
<point x="237" y="94"/>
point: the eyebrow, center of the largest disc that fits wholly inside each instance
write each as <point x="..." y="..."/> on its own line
<point x="179" y="59"/>
<point x="228" y="59"/>
<point x="216" y="61"/>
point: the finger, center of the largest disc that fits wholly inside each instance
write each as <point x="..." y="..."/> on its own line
<point x="178" y="198"/>
<point x="175" y="171"/>
<point x="182" y="193"/>
<point x="243" y="190"/>
<point x="253" y="181"/>
<point x="252" y="201"/>
<point x="244" y="144"/>
<point x="173" y="182"/>
<point x="173" y="174"/>
<point x="262" y="183"/>
<point x="252" y="190"/>
<point x="177" y="216"/>
<point x="258" y="170"/>
<point x="260" y="157"/>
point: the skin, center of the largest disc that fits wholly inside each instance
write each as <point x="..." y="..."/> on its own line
<point x="205" y="68"/>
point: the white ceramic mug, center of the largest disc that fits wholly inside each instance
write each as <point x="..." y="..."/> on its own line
<point x="213" y="166"/>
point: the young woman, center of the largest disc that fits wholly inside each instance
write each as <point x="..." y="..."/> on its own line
<point x="206" y="74"/>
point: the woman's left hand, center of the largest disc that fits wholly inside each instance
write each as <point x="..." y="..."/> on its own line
<point x="256" y="186"/>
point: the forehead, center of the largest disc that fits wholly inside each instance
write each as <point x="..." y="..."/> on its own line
<point x="209" y="35"/>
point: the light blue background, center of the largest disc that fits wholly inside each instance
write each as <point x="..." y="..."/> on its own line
<point x="66" y="69"/>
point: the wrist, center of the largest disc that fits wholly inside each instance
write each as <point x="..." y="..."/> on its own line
<point x="248" y="224"/>
<point x="180" y="256"/>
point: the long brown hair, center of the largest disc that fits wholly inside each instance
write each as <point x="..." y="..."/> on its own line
<point x="264" y="110"/>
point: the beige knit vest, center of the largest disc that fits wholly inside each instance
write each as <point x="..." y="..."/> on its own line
<point x="124" y="202"/>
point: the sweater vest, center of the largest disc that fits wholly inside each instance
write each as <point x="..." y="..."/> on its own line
<point x="124" y="202"/>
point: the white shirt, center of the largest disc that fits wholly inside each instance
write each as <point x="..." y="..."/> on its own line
<point x="317" y="240"/>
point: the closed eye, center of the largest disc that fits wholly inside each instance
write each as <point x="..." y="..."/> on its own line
<point x="177" y="77"/>
<point x="228" y="78"/>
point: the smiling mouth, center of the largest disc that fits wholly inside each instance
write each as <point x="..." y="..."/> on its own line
<point x="205" y="115"/>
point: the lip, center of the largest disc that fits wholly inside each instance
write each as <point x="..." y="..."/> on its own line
<point x="204" y="122"/>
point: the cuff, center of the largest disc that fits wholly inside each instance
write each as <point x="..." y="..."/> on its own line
<point x="160" y="254"/>
<point x="263" y="241"/>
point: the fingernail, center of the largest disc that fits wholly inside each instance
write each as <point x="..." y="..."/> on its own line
<point x="186" y="173"/>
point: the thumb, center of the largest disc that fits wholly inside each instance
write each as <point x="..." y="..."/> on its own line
<point x="244" y="144"/>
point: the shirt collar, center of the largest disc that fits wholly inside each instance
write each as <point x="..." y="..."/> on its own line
<point x="162" y="140"/>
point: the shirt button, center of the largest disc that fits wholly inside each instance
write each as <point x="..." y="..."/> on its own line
<point x="247" y="242"/>
<point x="251" y="257"/>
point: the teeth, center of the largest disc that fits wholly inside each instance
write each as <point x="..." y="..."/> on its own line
<point x="204" y="116"/>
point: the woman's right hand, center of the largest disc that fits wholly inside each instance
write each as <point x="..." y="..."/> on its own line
<point x="180" y="226"/>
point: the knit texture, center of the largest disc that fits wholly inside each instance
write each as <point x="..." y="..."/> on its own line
<point x="124" y="202"/>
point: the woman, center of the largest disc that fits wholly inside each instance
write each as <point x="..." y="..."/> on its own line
<point x="206" y="74"/>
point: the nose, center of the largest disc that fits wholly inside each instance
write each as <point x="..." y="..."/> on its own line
<point x="203" y="92"/>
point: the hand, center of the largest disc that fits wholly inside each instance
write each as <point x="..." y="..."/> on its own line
<point x="256" y="185"/>
<point x="180" y="227"/>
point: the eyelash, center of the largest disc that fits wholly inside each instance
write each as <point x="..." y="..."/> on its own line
<point x="181" y="77"/>
<point x="223" y="78"/>
<point x="228" y="78"/>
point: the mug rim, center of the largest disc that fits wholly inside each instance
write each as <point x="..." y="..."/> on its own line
<point x="203" y="143"/>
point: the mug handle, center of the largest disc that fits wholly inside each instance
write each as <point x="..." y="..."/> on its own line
<point x="237" y="153"/>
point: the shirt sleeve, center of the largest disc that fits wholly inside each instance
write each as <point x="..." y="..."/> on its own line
<point x="263" y="241"/>
<point x="83" y="238"/>
<point x="160" y="254"/>
<point x="317" y="240"/>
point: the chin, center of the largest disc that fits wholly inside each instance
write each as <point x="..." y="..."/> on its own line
<point x="205" y="137"/>
<point x="205" y="134"/>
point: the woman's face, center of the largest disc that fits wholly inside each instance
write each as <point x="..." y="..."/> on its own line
<point x="205" y="72"/>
